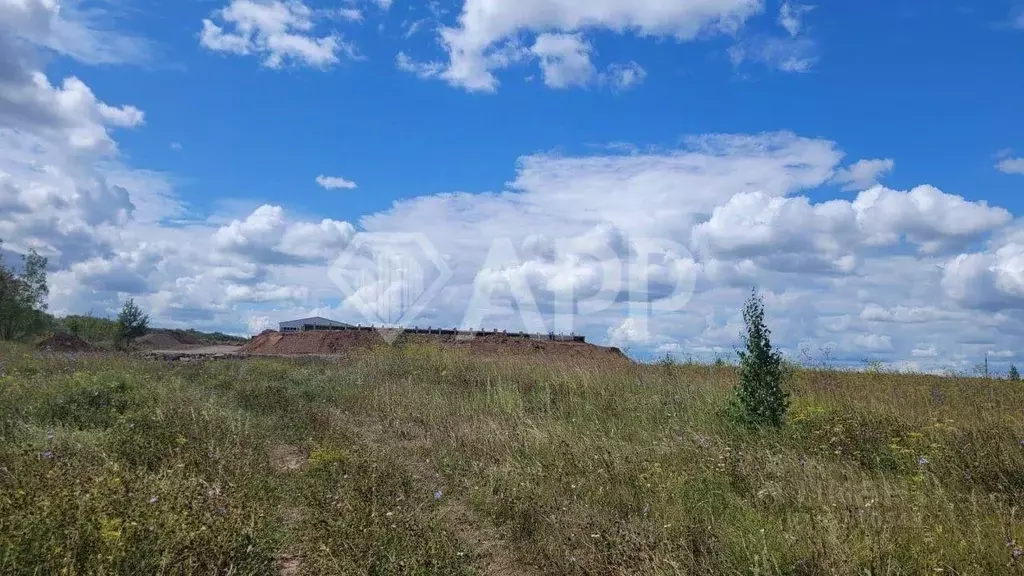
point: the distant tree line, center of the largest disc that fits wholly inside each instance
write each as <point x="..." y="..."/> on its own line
<point x="23" y="311"/>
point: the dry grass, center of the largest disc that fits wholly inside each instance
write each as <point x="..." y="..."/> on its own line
<point x="423" y="461"/>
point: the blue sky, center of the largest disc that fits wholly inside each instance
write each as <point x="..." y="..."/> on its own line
<point x="935" y="87"/>
<point x="861" y="162"/>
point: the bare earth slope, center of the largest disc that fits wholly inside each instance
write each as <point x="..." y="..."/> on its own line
<point x="487" y="346"/>
<point x="57" y="342"/>
<point x="159" y="341"/>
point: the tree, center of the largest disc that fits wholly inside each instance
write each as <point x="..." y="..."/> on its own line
<point x="1013" y="374"/>
<point x="759" y="398"/>
<point x="23" y="296"/>
<point x="74" y="325"/>
<point x="92" y="329"/>
<point x="131" y="323"/>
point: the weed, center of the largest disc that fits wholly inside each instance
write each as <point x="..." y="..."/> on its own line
<point x="423" y="461"/>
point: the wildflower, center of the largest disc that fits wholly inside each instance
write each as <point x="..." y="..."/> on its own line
<point x="1016" y="552"/>
<point x="1021" y="442"/>
<point x="437" y="494"/>
<point x="48" y="455"/>
<point x="921" y="460"/>
<point x="49" y="435"/>
<point x="803" y="460"/>
<point x="154" y="500"/>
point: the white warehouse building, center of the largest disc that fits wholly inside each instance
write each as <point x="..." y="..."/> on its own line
<point x="314" y="323"/>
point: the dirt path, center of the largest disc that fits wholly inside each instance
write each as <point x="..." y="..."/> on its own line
<point x="193" y="352"/>
<point x="476" y="533"/>
<point x="288" y="459"/>
<point x="485" y="540"/>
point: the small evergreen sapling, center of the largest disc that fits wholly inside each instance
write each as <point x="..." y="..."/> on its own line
<point x="759" y="398"/>
<point x="131" y="323"/>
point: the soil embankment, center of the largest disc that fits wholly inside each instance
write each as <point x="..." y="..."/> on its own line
<point x="159" y="341"/>
<point x="180" y="345"/>
<point x="492" y="346"/>
<point x="59" y="342"/>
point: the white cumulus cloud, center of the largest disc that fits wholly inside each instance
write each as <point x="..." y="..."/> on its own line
<point x="564" y="60"/>
<point x="335" y="183"/>
<point x="1011" y="165"/>
<point x="485" y="27"/>
<point x="623" y="76"/>
<point x="863" y="174"/>
<point x="62" y="26"/>
<point x="267" y="236"/>
<point x="280" y="31"/>
<point x="991" y="279"/>
<point x="257" y="324"/>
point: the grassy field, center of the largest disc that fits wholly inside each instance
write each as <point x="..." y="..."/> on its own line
<point x="425" y="462"/>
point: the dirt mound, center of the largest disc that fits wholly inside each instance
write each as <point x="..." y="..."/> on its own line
<point x="185" y="337"/>
<point x="490" y="346"/>
<point x="63" y="343"/>
<point x="262" y="343"/>
<point x="159" y="341"/>
<point x="317" y="342"/>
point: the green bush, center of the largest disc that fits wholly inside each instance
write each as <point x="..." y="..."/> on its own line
<point x="90" y="401"/>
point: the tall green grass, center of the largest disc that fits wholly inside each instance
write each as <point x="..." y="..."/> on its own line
<point x="421" y="461"/>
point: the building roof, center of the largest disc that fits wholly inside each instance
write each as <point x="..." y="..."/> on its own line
<point x="313" y="320"/>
